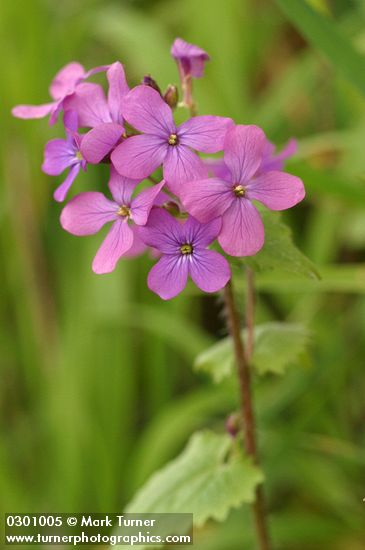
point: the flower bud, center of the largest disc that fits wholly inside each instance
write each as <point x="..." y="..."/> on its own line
<point x="171" y="96"/>
<point x="233" y="424"/>
<point x="149" y="81"/>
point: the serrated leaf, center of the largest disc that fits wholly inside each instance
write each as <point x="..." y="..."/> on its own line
<point x="279" y="250"/>
<point x="207" y="480"/>
<point x="277" y="346"/>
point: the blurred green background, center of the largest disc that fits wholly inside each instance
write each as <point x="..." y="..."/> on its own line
<point x="97" y="387"/>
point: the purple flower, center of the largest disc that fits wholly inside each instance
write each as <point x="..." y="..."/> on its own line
<point x="231" y="197"/>
<point x="60" y="154"/>
<point x="190" y="58"/>
<point x="62" y="86"/>
<point x="165" y="143"/>
<point x="184" y="252"/>
<point x="86" y="214"/>
<point x="103" y="115"/>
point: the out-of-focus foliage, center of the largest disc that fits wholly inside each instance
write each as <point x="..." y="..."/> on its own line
<point x="97" y="387"/>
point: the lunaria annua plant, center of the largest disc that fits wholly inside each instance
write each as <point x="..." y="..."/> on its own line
<point x="199" y="202"/>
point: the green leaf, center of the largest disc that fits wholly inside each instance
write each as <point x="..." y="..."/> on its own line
<point x="277" y="346"/>
<point x="279" y="251"/>
<point x="325" y="36"/>
<point x="208" y="479"/>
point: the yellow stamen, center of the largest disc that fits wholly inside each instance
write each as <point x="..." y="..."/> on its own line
<point x="186" y="249"/>
<point x="79" y="156"/>
<point x="173" y="140"/>
<point x="123" y="211"/>
<point x="239" y="190"/>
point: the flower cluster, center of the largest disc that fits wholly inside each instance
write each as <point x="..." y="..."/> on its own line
<point x="198" y="199"/>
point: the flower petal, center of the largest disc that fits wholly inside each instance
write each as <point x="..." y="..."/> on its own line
<point x="66" y="79"/>
<point x="201" y="234"/>
<point x="276" y="190"/>
<point x="169" y="276"/>
<point x="191" y="57"/>
<point x="32" y="111"/>
<point x="276" y="162"/>
<point x="117" y="243"/>
<point x="206" y="199"/>
<point x="242" y="230"/>
<point x="204" y="133"/>
<point x="182" y="165"/>
<point x="163" y="232"/>
<point x="90" y="104"/>
<point x="218" y="169"/>
<point x="145" y="109"/>
<point x="138" y="156"/>
<point x="121" y="187"/>
<point x="143" y="202"/>
<point x="58" y="155"/>
<point x="209" y="270"/>
<point x="138" y="246"/>
<point x="118" y="88"/>
<point x="60" y="194"/>
<point x="86" y="213"/>
<point x="243" y="151"/>
<point x="99" y="141"/>
<point x="71" y="121"/>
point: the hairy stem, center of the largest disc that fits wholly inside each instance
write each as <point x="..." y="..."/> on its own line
<point x="244" y="378"/>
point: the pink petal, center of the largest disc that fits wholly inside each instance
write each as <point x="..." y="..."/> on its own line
<point x="90" y="104"/>
<point x="182" y="165"/>
<point x="86" y="213"/>
<point x="117" y="242"/>
<point x="243" y="151"/>
<point x="204" y="133"/>
<point x="276" y="162"/>
<point x="32" y="111"/>
<point x="209" y="270"/>
<point x="202" y="234"/>
<point x="58" y="155"/>
<point x="138" y="156"/>
<point x="138" y="246"/>
<point x="145" y="109"/>
<point x="70" y="121"/>
<point x="66" y="79"/>
<point x="191" y="57"/>
<point x="96" y="70"/>
<point x="169" y="276"/>
<point x="60" y="194"/>
<point x="276" y="190"/>
<point x="118" y="88"/>
<point x="121" y="187"/>
<point x="99" y="141"/>
<point x="162" y="232"/>
<point x="143" y="202"/>
<point x="218" y="169"/>
<point x="242" y="230"/>
<point x="206" y="199"/>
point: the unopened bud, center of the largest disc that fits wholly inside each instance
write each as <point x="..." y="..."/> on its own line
<point x="171" y="96"/>
<point x="233" y="424"/>
<point x="149" y="81"/>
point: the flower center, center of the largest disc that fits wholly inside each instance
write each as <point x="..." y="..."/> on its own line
<point x="186" y="249"/>
<point x="173" y="139"/>
<point x="124" y="211"/>
<point x="239" y="190"/>
<point x="79" y="155"/>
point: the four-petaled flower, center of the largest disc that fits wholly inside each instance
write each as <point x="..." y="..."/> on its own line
<point x="165" y="143"/>
<point x="60" y="154"/>
<point x="62" y="86"/>
<point x="242" y="231"/>
<point x="190" y="58"/>
<point x="103" y="115"/>
<point x="184" y="252"/>
<point x="86" y="214"/>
